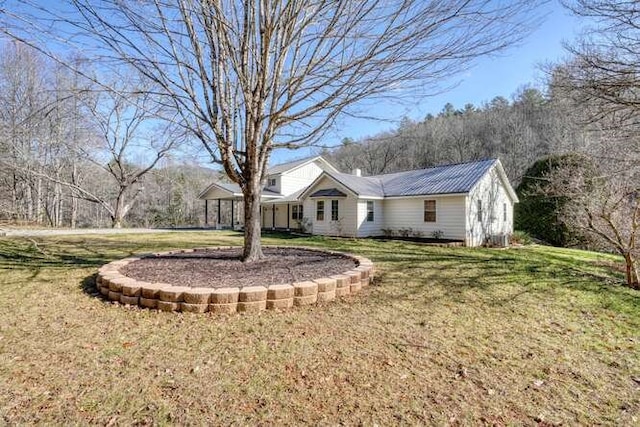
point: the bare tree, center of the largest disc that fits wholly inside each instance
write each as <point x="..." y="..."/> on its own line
<point x="605" y="64"/>
<point x="128" y="142"/>
<point x="606" y="207"/>
<point x="250" y="77"/>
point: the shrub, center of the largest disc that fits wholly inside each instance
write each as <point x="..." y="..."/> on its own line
<point x="538" y="213"/>
<point x="520" y="238"/>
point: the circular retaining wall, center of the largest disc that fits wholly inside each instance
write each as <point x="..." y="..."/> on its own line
<point x="117" y="287"/>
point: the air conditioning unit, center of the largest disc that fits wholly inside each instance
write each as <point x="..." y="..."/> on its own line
<point x="501" y="240"/>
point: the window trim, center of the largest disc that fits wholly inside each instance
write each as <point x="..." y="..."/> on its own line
<point x="335" y="213"/>
<point x="272" y="182"/>
<point x="319" y="210"/>
<point x="370" y="212"/>
<point x="297" y="212"/>
<point x="427" y="213"/>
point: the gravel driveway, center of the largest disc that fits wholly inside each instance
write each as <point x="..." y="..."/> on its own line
<point x="16" y="232"/>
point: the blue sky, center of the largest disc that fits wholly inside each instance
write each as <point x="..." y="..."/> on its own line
<point x="491" y="76"/>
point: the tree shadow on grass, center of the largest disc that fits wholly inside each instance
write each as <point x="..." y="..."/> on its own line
<point x="497" y="277"/>
<point x="89" y="286"/>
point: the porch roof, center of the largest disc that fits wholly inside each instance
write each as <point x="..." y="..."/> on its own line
<point x="231" y="191"/>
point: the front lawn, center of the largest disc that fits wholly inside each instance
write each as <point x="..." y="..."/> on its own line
<point x="443" y="336"/>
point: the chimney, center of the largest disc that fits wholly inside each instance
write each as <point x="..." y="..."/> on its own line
<point x="356" y="172"/>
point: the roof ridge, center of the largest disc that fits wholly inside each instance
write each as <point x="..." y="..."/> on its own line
<point x="493" y="159"/>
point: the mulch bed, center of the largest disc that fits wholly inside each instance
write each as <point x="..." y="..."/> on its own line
<point x="222" y="268"/>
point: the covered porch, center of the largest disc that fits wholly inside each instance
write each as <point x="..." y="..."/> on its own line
<point x="278" y="215"/>
<point x="224" y="205"/>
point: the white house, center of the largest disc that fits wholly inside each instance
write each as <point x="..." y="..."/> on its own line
<point x="470" y="202"/>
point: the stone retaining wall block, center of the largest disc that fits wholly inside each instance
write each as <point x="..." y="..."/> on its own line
<point x="168" y="306"/>
<point x="278" y="292"/>
<point x="279" y="304"/>
<point x="129" y="300"/>
<point x="252" y="294"/>
<point x="252" y="306"/>
<point x="305" y="300"/>
<point x="343" y="292"/>
<point x="326" y="284"/>
<point x="194" y="308"/>
<point x="342" y="280"/>
<point x="152" y="291"/>
<point x="355" y="276"/>
<point x="225" y="296"/>
<point x="326" y="296"/>
<point x="198" y="296"/>
<point x="356" y="287"/>
<point x="131" y="290"/>
<point x="148" y="302"/>
<point x="224" y="308"/>
<point x="173" y="293"/>
<point x="303" y="289"/>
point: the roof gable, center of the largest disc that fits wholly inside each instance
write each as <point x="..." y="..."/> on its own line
<point x="295" y="164"/>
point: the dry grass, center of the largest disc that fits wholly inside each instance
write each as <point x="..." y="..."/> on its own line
<point x="444" y="336"/>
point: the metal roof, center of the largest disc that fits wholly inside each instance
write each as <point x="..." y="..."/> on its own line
<point x="235" y="190"/>
<point x="458" y="178"/>
<point x="328" y="192"/>
<point x="448" y="179"/>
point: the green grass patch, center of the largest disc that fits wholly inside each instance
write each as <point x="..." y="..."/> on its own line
<point x="443" y="336"/>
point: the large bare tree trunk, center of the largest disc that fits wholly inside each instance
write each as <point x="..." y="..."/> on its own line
<point x="252" y="246"/>
<point x="631" y="271"/>
<point x="119" y="211"/>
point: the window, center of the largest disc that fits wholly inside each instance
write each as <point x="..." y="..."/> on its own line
<point x="370" y="211"/>
<point x="334" y="210"/>
<point x="504" y="212"/>
<point x="296" y="212"/>
<point x="429" y="211"/>
<point x="320" y="210"/>
<point x="272" y="182"/>
<point x="479" y="210"/>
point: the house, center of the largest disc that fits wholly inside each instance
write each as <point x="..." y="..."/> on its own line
<point x="470" y="202"/>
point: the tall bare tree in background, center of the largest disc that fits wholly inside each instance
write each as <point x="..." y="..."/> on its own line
<point x="601" y="80"/>
<point x="128" y="143"/>
<point x="249" y="77"/>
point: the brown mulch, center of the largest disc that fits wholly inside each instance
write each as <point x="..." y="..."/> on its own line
<point x="221" y="268"/>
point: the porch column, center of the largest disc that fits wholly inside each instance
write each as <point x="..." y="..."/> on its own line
<point x="233" y="217"/>
<point x="206" y="212"/>
<point x="219" y="209"/>
<point x="273" y="216"/>
<point x="288" y="215"/>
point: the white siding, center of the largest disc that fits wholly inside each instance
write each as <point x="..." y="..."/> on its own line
<point x="409" y="213"/>
<point x="370" y="228"/>
<point x="276" y="188"/>
<point x="347" y="211"/>
<point x="267" y="216"/>
<point x="491" y="192"/>
<point x="297" y="179"/>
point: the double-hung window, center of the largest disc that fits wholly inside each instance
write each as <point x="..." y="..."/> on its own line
<point x="370" y="210"/>
<point x="334" y="210"/>
<point x="296" y="212"/>
<point x="429" y="211"/>
<point x="320" y="210"/>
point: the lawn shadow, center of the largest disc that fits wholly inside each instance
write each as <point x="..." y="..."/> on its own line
<point x="500" y="277"/>
<point x="89" y="286"/>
